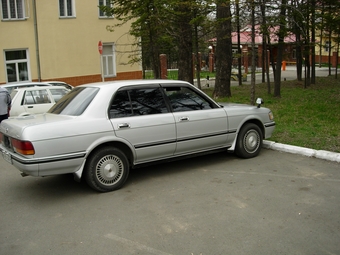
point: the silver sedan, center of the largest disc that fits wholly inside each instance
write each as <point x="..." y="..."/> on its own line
<point x="100" y="131"/>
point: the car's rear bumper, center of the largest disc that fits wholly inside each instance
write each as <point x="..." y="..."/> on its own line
<point x="61" y="164"/>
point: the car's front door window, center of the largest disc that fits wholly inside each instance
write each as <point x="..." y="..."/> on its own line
<point x="185" y="99"/>
<point x="200" y="123"/>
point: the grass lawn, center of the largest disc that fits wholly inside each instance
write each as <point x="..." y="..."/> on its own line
<point x="304" y="117"/>
<point x="173" y="74"/>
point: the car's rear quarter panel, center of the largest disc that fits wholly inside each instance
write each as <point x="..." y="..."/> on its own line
<point x="71" y="136"/>
<point x="60" y="146"/>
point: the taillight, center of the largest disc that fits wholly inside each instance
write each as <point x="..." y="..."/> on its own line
<point x="23" y="147"/>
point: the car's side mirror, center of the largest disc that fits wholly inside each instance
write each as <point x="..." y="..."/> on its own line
<point x="259" y="101"/>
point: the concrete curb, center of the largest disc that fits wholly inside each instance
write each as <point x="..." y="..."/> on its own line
<point x="320" y="154"/>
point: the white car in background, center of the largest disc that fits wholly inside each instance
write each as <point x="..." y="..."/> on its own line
<point x="24" y="84"/>
<point x="59" y="83"/>
<point x="34" y="100"/>
<point x="27" y="84"/>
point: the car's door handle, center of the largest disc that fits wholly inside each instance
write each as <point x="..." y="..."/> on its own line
<point x="29" y="106"/>
<point x="184" y="119"/>
<point x="124" y="125"/>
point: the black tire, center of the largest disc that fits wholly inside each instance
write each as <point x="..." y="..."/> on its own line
<point x="106" y="169"/>
<point x="249" y="141"/>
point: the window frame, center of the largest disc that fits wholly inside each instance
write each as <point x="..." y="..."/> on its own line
<point x="66" y="9"/>
<point x="18" y="12"/>
<point x="105" y="60"/>
<point x="101" y="15"/>
<point x="294" y="53"/>
<point x="16" y="63"/>
<point x="328" y="46"/>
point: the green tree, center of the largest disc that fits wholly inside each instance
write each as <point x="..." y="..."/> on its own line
<point x="146" y="25"/>
<point x="187" y="21"/>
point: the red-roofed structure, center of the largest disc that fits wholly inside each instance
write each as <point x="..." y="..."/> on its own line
<point x="245" y="42"/>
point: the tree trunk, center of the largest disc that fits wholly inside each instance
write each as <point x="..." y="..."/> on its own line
<point x="223" y="50"/>
<point x="253" y="54"/>
<point x="239" y="51"/>
<point x="337" y="57"/>
<point x="185" y="45"/>
<point x="281" y="35"/>
<point x="313" y="41"/>
<point x="197" y="59"/>
<point x="298" y="55"/>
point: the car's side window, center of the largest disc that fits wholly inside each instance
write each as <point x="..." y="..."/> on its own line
<point x="58" y="93"/>
<point x="185" y="99"/>
<point x="121" y="105"/>
<point x="136" y="102"/>
<point x="36" y="97"/>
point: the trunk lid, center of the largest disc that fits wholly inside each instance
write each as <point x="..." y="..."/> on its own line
<point x="15" y="127"/>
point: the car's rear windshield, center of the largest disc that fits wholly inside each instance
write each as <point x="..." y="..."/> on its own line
<point x="75" y="102"/>
<point x="13" y="93"/>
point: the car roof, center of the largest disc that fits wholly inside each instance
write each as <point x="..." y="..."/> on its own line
<point x="25" y="83"/>
<point x="40" y="88"/>
<point x="123" y="83"/>
<point x="59" y="83"/>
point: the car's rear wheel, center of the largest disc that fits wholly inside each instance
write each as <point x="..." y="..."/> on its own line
<point x="249" y="141"/>
<point x="106" y="169"/>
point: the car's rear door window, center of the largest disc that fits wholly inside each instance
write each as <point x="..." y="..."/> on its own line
<point x="58" y="93"/>
<point x="136" y="102"/>
<point x="36" y="97"/>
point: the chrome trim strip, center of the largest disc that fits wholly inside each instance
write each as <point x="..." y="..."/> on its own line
<point x="270" y="124"/>
<point x="145" y="145"/>
<point x="30" y="161"/>
<point x="203" y="136"/>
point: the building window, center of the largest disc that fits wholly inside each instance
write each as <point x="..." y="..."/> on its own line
<point x="106" y="3"/>
<point x="66" y="8"/>
<point x="17" y="64"/>
<point x="327" y="46"/>
<point x="12" y="9"/>
<point x="294" y="54"/>
<point x="109" y="60"/>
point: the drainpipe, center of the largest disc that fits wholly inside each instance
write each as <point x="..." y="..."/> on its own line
<point x="36" y="39"/>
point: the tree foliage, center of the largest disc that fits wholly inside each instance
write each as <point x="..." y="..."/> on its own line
<point x="178" y="28"/>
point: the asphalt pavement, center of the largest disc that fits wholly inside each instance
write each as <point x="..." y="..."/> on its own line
<point x="288" y="74"/>
<point x="218" y="204"/>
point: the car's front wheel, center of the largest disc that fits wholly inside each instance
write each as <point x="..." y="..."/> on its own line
<point x="249" y="141"/>
<point x="106" y="169"/>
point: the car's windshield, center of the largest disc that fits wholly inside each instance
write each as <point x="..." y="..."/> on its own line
<point x="75" y="102"/>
